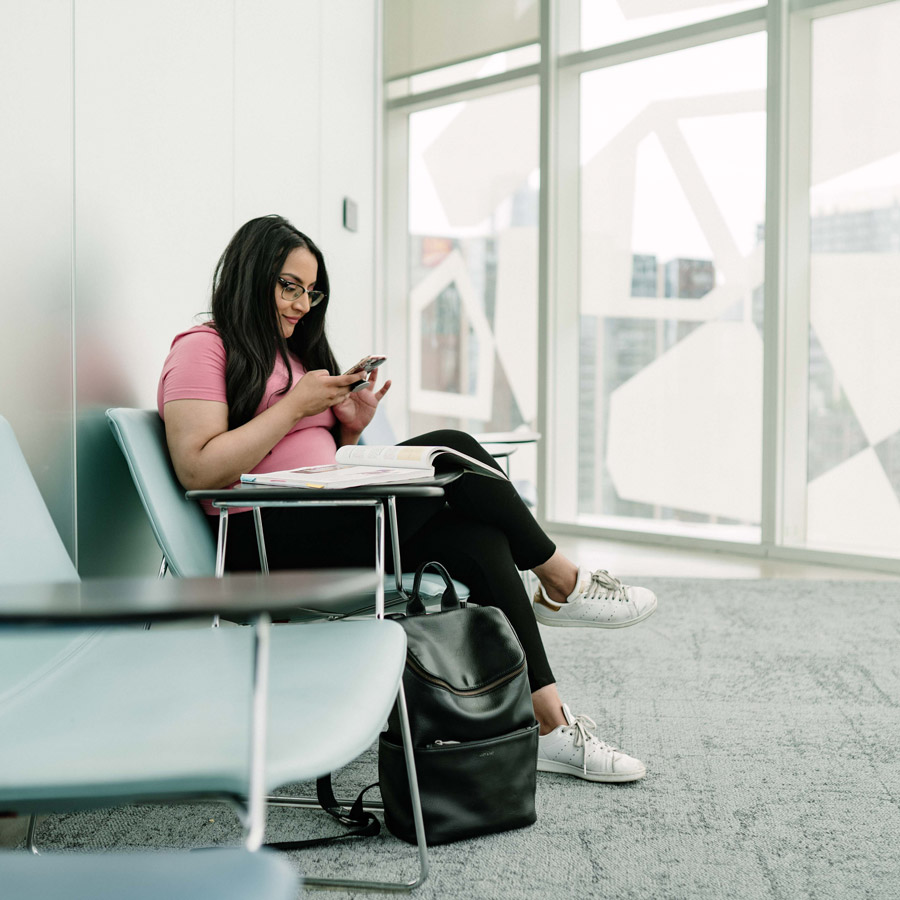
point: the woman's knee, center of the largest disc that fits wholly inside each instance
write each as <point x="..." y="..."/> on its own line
<point x="455" y="440"/>
<point x="445" y="437"/>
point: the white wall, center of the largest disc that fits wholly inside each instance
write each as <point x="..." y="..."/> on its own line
<point x="36" y="381"/>
<point x="189" y="119"/>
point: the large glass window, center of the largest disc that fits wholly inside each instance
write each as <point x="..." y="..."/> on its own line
<point x="606" y="22"/>
<point x="686" y="398"/>
<point x="473" y="266"/>
<point x="853" y="492"/>
<point x="671" y="351"/>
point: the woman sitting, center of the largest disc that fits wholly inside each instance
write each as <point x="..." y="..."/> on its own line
<point x="257" y="389"/>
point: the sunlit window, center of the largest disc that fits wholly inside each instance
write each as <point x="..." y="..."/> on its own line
<point x="672" y="198"/>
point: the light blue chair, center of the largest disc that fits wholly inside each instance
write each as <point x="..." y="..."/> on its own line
<point x="106" y="717"/>
<point x="223" y="874"/>
<point x="178" y="523"/>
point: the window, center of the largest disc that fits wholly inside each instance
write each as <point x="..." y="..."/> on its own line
<point x="672" y="223"/>
<point x="606" y="22"/>
<point x="710" y="377"/>
<point x="472" y="260"/>
<point x="853" y="468"/>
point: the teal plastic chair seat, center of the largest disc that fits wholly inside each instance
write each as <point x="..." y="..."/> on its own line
<point x="117" y="716"/>
<point x="109" y="716"/>
<point x="223" y="874"/>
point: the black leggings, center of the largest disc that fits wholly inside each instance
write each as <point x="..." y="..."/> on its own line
<point x="480" y="530"/>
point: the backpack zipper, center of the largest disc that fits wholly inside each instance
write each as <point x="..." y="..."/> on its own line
<point x="444" y="684"/>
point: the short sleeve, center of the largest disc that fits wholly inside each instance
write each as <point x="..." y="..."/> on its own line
<point x="194" y="369"/>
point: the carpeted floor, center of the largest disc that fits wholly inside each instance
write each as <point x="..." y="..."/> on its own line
<point x="767" y="712"/>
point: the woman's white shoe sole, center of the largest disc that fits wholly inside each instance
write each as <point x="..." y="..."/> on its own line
<point x="547" y="765"/>
<point x="545" y="617"/>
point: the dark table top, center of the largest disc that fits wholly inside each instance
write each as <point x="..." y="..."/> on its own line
<point x="123" y="600"/>
<point x="248" y="493"/>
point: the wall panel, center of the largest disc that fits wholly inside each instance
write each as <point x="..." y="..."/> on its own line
<point x="154" y="201"/>
<point x="36" y="391"/>
<point x="348" y="135"/>
<point x="277" y="107"/>
<point x="135" y="138"/>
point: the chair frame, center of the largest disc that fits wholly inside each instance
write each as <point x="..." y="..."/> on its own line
<point x="253" y="812"/>
<point x="251" y="807"/>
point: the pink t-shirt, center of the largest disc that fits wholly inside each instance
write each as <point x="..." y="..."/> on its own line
<point x="195" y="370"/>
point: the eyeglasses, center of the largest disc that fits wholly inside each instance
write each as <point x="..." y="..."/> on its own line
<point x="292" y="292"/>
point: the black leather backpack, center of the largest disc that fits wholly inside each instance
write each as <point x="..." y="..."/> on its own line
<point x="472" y="723"/>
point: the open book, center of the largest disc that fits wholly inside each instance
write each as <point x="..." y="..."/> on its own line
<point x="361" y="464"/>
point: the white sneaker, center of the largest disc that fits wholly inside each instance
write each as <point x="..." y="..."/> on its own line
<point x="599" y="600"/>
<point x="573" y="750"/>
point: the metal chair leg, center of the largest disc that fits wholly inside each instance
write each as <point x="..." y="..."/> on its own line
<point x="421" y="846"/>
<point x="30" y="836"/>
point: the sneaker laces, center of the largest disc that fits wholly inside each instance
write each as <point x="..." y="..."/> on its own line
<point x="583" y="726"/>
<point x="604" y="583"/>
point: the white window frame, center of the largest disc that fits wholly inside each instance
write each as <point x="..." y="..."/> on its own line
<point x="788" y="24"/>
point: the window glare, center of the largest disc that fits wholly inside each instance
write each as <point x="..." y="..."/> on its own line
<point x="605" y="22"/>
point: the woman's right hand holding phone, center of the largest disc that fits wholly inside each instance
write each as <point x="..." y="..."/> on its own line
<point x="317" y="391"/>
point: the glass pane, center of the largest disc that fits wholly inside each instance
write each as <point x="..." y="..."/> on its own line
<point x="671" y="351"/>
<point x="473" y="245"/>
<point x="606" y="22"/>
<point x="853" y="492"/>
<point x="472" y="70"/>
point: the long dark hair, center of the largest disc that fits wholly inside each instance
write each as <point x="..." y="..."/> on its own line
<point x="244" y="313"/>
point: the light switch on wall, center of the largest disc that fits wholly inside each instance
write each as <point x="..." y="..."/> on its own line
<point x="349" y="214"/>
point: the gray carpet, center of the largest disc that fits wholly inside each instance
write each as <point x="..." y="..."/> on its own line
<point x="767" y="712"/>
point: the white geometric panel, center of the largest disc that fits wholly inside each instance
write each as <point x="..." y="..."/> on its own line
<point x="485" y="155"/>
<point x="633" y="9"/>
<point x="660" y="199"/>
<point x="656" y="199"/>
<point x="451" y="270"/>
<point x="686" y="431"/>
<point x="854" y="505"/>
<point x="515" y="316"/>
<point x="855" y="311"/>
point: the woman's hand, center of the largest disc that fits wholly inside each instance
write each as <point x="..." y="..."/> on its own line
<point x="356" y="411"/>
<point x="317" y="391"/>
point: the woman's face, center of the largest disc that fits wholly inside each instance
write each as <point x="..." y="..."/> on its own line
<point x="299" y="269"/>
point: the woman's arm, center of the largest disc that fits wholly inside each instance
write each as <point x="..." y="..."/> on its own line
<point x="207" y="455"/>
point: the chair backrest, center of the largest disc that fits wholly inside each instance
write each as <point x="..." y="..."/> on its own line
<point x="179" y="525"/>
<point x="30" y="546"/>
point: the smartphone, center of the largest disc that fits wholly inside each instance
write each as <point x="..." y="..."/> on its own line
<point x="363" y="367"/>
<point x="366" y="364"/>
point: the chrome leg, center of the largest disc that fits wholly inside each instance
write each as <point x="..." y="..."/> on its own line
<point x="417" y="818"/>
<point x="313" y="803"/>
<point x="413" y="787"/>
<point x="260" y="541"/>
<point x="163" y="568"/>
<point x="379" y="560"/>
<point x="221" y="542"/>
<point x="395" y="543"/>
<point x="255" y="826"/>
<point x="30" y="836"/>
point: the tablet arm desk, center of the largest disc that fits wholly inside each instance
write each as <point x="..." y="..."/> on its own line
<point x="375" y="496"/>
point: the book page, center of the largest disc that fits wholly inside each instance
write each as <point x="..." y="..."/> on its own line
<point x="410" y="456"/>
<point x="368" y="455"/>
<point x="336" y="476"/>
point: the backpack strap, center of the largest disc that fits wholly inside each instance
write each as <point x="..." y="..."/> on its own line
<point x="449" y="599"/>
<point x="364" y="824"/>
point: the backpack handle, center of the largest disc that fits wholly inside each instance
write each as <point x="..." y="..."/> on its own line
<point x="449" y="599"/>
